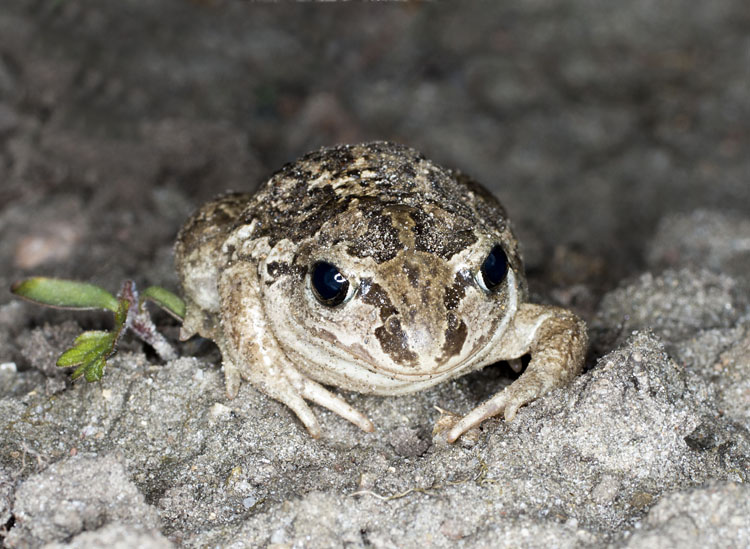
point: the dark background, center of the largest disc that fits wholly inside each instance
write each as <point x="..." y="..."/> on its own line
<point x="590" y="120"/>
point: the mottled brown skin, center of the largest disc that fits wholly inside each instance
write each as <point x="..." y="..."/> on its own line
<point x="410" y="238"/>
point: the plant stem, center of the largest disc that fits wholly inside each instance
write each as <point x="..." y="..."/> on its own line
<point x="140" y="322"/>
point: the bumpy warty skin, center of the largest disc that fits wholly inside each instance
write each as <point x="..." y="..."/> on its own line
<point x="407" y="240"/>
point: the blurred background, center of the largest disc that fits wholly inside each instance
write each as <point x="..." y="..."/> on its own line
<point x="591" y="120"/>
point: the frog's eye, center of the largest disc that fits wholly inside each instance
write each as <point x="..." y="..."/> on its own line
<point x="330" y="287"/>
<point x="493" y="270"/>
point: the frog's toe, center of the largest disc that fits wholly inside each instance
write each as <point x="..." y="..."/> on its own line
<point x="289" y="394"/>
<point x="305" y="415"/>
<point x="507" y="402"/>
<point x="488" y="409"/>
<point x="315" y="392"/>
<point x="518" y="396"/>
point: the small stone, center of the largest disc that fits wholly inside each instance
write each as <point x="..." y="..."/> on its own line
<point x="219" y="411"/>
<point x="604" y="492"/>
<point x="249" y="502"/>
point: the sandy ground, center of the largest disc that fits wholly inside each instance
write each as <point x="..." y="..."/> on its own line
<point x="616" y="135"/>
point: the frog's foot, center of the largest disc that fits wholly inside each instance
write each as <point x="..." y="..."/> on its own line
<point x="557" y="341"/>
<point x="292" y="389"/>
<point x="315" y="392"/>
<point x="526" y="388"/>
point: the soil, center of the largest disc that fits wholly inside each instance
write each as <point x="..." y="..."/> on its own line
<point x="615" y="134"/>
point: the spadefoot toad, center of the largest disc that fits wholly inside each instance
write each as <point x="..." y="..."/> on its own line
<point x="369" y="268"/>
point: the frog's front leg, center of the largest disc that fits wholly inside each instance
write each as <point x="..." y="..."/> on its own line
<point x="556" y="339"/>
<point x="250" y="352"/>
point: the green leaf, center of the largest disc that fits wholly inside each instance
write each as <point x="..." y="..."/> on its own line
<point x="90" y="352"/>
<point x="84" y="346"/>
<point x="165" y="299"/>
<point x="66" y="294"/>
<point x="78" y="372"/>
<point x="95" y="370"/>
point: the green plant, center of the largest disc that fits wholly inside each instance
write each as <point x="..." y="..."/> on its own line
<point x="91" y="349"/>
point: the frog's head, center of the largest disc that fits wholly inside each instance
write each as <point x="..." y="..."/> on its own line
<point x="391" y="296"/>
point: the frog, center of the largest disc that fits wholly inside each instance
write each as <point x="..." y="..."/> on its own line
<point x="369" y="268"/>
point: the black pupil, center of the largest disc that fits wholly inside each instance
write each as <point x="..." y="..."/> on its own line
<point x="329" y="284"/>
<point x="495" y="267"/>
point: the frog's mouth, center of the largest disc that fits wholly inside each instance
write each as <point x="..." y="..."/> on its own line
<point x="360" y="372"/>
<point x="352" y="361"/>
<point x="359" y="360"/>
<point x="356" y="366"/>
<point x="417" y="370"/>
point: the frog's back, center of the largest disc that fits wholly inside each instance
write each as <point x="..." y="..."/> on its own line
<point x="298" y="199"/>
